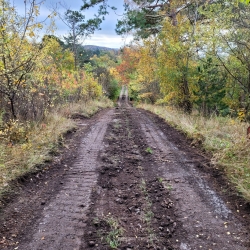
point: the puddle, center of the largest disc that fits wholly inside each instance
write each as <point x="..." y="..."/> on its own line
<point x="214" y="199"/>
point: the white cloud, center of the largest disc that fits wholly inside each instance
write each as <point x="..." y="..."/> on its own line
<point x="105" y="37"/>
<point x="110" y="41"/>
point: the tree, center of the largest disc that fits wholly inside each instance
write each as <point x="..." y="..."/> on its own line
<point x="226" y="38"/>
<point x="79" y="28"/>
<point x="148" y="82"/>
<point x="211" y="88"/>
<point x="128" y="65"/>
<point x="102" y="66"/>
<point x="145" y="17"/>
<point x="18" y="49"/>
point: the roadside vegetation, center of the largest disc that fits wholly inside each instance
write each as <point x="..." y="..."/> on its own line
<point x="224" y="137"/>
<point x="25" y="147"/>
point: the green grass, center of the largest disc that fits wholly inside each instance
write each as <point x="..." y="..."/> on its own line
<point x="149" y="150"/>
<point x="115" y="232"/>
<point x="223" y="137"/>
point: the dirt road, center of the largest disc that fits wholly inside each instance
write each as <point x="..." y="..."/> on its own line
<point x="126" y="180"/>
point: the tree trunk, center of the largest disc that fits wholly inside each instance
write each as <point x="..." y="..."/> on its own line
<point x="187" y="105"/>
<point x="74" y="46"/>
<point x="13" y="111"/>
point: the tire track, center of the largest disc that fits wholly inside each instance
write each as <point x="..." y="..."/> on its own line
<point x="207" y="221"/>
<point x="63" y="221"/>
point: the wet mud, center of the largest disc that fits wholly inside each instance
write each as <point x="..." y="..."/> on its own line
<point x="131" y="208"/>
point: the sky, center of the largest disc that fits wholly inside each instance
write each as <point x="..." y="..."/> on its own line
<point x="106" y="37"/>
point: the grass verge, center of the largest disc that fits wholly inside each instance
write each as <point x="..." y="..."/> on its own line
<point x="84" y="109"/>
<point x="25" y="147"/>
<point x="225" y="138"/>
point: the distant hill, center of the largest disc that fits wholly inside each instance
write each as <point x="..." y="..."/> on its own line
<point x="95" y="48"/>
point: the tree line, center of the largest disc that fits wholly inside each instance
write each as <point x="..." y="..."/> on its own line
<point x="39" y="72"/>
<point x="190" y="54"/>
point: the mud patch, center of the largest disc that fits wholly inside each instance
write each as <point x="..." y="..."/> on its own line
<point x="148" y="188"/>
<point x="131" y="208"/>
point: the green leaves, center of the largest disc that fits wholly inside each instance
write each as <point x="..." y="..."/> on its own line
<point x="144" y="21"/>
<point x="245" y="1"/>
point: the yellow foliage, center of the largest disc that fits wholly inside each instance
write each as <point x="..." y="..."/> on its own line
<point x="31" y="34"/>
<point x="113" y="72"/>
<point x="147" y="66"/>
<point x="15" y="132"/>
<point x="91" y="88"/>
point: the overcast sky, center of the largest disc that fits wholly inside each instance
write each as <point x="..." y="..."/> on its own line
<point x="105" y="37"/>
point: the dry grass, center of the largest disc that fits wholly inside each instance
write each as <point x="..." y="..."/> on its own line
<point x="224" y="137"/>
<point x="85" y="109"/>
<point x="42" y="141"/>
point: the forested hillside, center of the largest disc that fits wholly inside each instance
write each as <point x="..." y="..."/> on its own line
<point x="192" y="57"/>
<point x="44" y="82"/>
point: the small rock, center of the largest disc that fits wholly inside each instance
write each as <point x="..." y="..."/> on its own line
<point x="125" y="197"/>
<point x="164" y="224"/>
<point x="130" y="209"/>
<point x="43" y="203"/>
<point x="96" y="223"/>
<point x="137" y="211"/>
<point x="91" y="243"/>
<point x="118" y="200"/>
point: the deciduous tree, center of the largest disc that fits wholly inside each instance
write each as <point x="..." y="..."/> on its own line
<point x="18" y="49"/>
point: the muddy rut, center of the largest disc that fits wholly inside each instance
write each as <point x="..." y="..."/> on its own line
<point x="127" y="181"/>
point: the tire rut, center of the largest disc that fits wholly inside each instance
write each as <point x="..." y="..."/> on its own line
<point x="207" y="221"/>
<point x="130" y="207"/>
<point x="63" y="221"/>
